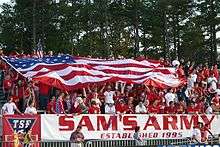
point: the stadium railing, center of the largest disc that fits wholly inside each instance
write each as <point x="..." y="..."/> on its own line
<point x="114" y="143"/>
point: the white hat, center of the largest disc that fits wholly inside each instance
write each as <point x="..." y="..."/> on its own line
<point x="175" y="63"/>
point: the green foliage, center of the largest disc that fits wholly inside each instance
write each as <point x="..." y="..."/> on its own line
<point x="168" y="28"/>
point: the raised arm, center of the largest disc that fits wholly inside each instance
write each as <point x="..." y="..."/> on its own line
<point x="84" y="92"/>
<point x="103" y="88"/>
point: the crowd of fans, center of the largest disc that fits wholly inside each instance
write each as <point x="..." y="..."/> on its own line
<point x="200" y="94"/>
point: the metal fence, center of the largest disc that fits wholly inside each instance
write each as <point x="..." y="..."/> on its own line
<point x="114" y="143"/>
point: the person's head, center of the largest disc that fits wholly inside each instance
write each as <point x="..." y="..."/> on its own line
<point x="155" y="103"/>
<point x="1" y="51"/>
<point x="57" y="92"/>
<point x="79" y="128"/>
<point x="62" y="94"/>
<point x="170" y="90"/>
<point x="53" y="98"/>
<point x="130" y="99"/>
<point x="109" y="88"/>
<point x="171" y="103"/>
<point x="95" y="95"/>
<point x="212" y="74"/>
<point x="122" y="102"/>
<point x="10" y="99"/>
<point x="67" y="97"/>
<point x="137" y="129"/>
<point x="31" y="103"/>
<point x="140" y="104"/>
<point x="84" y="98"/>
<point x="93" y="103"/>
<point x="142" y="98"/>
<point x="196" y="84"/>
<point x="192" y="104"/>
<point x="50" y="53"/>
<point x="200" y="124"/>
<point x="110" y="104"/>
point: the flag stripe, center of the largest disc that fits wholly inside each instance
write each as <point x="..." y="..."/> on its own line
<point x="67" y="72"/>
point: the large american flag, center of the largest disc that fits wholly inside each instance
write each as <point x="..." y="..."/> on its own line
<point x="68" y="72"/>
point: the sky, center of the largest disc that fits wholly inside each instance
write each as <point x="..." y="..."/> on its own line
<point x="4" y="1"/>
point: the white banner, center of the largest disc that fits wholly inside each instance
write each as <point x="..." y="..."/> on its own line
<point x="60" y="127"/>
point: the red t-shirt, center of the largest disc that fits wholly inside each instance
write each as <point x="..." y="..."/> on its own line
<point x="180" y="73"/>
<point x="170" y="110"/>
<point x="191" y="109"/>
<point x="200" y="107"/>
<point x="204" y="133"/>
<point x="216" y="73"/>
<point x="152" y="109"/>
<point x="130" y="110"/>
<point x="44" y="89"/>
<point x="21" y="92"/>
<point x="216" y="101"/>
<point x="77" y="110"/>
<point x="50" y="105"/>
<point x="2" y="66"/>
<point x="7" y="84"/>
<point x="199" y="91"/>
<point x="151" y="97"/>
<point x="206" y="72"/>
<point x="94" y="110"/>
<point x="121" y="109"/>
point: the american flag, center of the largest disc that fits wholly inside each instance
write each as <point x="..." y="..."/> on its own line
<point x="68" y="72"/>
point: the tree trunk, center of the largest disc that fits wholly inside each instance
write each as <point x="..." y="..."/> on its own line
<point x="136" y="30"/>
<point x="34" y="24"/>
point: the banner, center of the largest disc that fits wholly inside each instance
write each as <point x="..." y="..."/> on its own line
<point x="16" y="126"/>
<point x="121" y="127"/>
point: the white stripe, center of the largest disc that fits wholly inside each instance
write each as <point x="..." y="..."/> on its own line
<point x="125" y="61"/>
<point x="68" y="70"/>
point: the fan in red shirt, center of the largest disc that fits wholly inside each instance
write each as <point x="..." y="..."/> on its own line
<point x="180" y="109"/>
<point x="180" y="72"/>
<point x="7" y="85"/>
<point x="171" y="109"/>
<point x="206" y="71"/>
<point x="51" y="105"/>
<point x="154" y="108"/>
<point x="198" y="89"/>
<point x="192" y="109"/>
<point x="216" y="72"/>
<point x="121" y="108"/>
<point x="204" y="132"/>
<point x="94" y="109"/>
<point x="216" y="101"/>
<point x="44" y="91"/>
<point x="200" y="105"/>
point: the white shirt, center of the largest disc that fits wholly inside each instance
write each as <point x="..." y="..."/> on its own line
<point x="197" y="134"/>
<point x="109" y="110"/>
<point x="9" y="108"/>
<point x="139" y="109"/>
<point x="190" y="83"/>
<point x="30" y="110"/>
<point x="169" y="97"/>
<point x="109" y="96"/>
<point x="213" y="81"/>
<point x="194" y="77"/>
